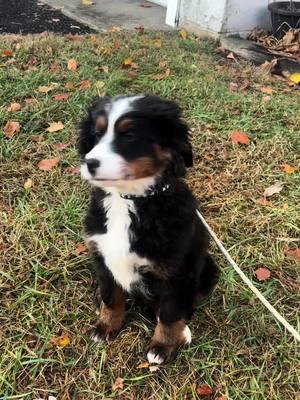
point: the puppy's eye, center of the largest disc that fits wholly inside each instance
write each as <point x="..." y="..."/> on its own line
<point x="101" y="125"/>
<point x="125" y="127"/>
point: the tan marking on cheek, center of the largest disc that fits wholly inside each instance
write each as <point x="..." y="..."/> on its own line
<point x="101" y="123"/>
<point x="169" y="335"/>
<point x="143" y="167"/>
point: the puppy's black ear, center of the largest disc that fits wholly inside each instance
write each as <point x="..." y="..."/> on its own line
<point x="174" y="132"/>
<point x="87" y="127"/>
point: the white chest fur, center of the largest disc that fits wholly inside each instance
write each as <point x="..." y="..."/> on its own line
<point x="114" y="245"/>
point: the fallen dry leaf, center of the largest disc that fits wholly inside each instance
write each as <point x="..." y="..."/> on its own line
<point x="231" y="56"/>
<point x="262" y="274"/>
<point x="47" y="164"/>
<point x="143" y="365"/>
<point x="54" y="66"/>
<point x="69" y="86"/>
<point x="86" y="84"/>
<point x="267" y="67"/>
<point x="163" y="64"/>
<point x="45" y="89"/>
<point x="164" y="75"/>
<point x="233" y="87"/>
<point x="183" y="34"/>
<point x="288" y="168"/>
<point x="55" y="126"/>
<point x="119" y="384"/>
<point x="28" y="184"/>
<point x="14" y="107"/>
<point x="105" y="69"/>
<point x="10" y="128"/>
<point x="61" y="146"/>
<point x="93" y="38"/>
<point x="73" y="170"/>
<point x="204" y="390"/>
<point x="132" y="74"/>
<point x="266" y="89"/>
<point x="29" y="101"/>
<point x="153" y="368"/>
<point x="117" y="45"/>
<point x="113" y="29"/>
<point x="240" y="137"/>
<point x="127" y="63"/>
<point x="294" y="253"/>
<point x="7" y="53"/>
<point x="80" y="249"/>
<point x="72" y="65"/>
<point x="61" y="341"/>
<point x="157" y="43"/>
<point x="264" y="202"/>
<point x="273" y="189"/>
<point x="61" y="96"/>
<point x="245" y="84"/>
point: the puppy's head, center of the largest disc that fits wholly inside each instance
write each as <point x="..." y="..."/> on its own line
<point x="125" y="139"/>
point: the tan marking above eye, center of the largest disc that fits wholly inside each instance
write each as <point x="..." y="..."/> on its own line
<point x="124" y="125"/>
<point x="101" y="123"/>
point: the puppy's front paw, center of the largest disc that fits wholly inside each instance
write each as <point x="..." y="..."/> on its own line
<point x="102" y="333"/>
<point x="161" y="353"/>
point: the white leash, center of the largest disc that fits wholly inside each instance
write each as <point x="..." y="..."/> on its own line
<point x="248" y="282"/>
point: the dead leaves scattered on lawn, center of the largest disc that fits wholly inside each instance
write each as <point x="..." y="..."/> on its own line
<point x="61" y="96"/>
<point x="273" y="189"/>
<point x="238" y="137"/>
<point x="55" y="127"/>
<point x="45" y="89"/>
<point x="183" y="34"/>
<point x="14" y="107"/>
<point x="80" y="249"/>
<point x="61" y="341"/>
<point x="204" y="390"/>
<point x="7" y="53"/>
<point x="288" y="169"/>
<point x="72" y="65"/>
<point x="11" y="128"/>
<point x="262" y="274"/>
<point x="128" y="63"/>
<point x="48" y="164"/>
<point x="86" y="84"/>
<point x="61" y="146"/>
<point x="294" y="253"/>
<point x="119" y="384"/>
<point x="164" y="75"/>
<point x="28" y="184"/>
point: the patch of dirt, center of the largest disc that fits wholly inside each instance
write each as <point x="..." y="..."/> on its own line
<point x="37" y="19"/>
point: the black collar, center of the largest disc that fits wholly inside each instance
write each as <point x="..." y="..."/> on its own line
<point x="152" y="191"/>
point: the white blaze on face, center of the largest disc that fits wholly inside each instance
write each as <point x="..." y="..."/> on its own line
<point x="111" y="164"/>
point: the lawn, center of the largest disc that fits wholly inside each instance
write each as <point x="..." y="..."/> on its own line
<point x="238" y="349"/>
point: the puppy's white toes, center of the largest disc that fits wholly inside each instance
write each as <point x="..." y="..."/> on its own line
<point x="154" y="358"/>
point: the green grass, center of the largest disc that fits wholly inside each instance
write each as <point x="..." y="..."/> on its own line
<point x="237" y="347"/>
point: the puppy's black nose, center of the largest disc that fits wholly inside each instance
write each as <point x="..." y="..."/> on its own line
<point x="92" y="164"/>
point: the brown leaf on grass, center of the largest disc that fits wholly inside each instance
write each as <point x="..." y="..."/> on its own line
<point x="72" y="65"/>
<point x="73" y="170"/>
<point x="61" y="96"/>
<point x="140" y="30"/>
<point x="45" y="89"/>
<point x="105" y="69"/>
<point x="7" y="53"/>
<point x="113" y="29"/>
<point x="10" y="128"/>
<point x="163" y="64"/>
<point x="127" y="63"/>
<point x="288" y="169"/>
<point x="119" y="384"/>
<point x="80" y="249"/>
<point x="231" y="56"/>
<point x="61" y="146"/>
<point x="183" y="34"/>
<point x="262" y="274"/>
<point x="267" y="67"/>
<point x="28" y="184"/>
<point x="54" y="66"/>
<point x="143" y="365"/>
<point x="204" y="390"/>
<point x="132" y="74"/>
<point x="273" y="189"/>
<point x="14" y="107"/>
<point x="245" y="84"/>
<point x="69" y="86"/>
<point x="61" y="341"/>
<point x="47" y="164"/>
<point x="29" y="101"/>
<point x="294" y="253"/>
<point x="233" y="87"/>
<point x="262" y="201"/>
<point x="267" y="90"/>
<point x="55" y="126"/>
<point x="86" y="84"/>
<point x="157" y="43"/>
<point x="240" y="137"/>
<point x="162" y="76"/>
<point x="117" y="45"/>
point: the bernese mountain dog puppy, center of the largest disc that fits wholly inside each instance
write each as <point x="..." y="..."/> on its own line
<point x="141" y="226"/>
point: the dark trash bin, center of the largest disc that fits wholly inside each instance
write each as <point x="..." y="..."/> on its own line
<point x="284" y="16"/>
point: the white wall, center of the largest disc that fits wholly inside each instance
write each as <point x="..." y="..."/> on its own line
<point x="224" y="16"/>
